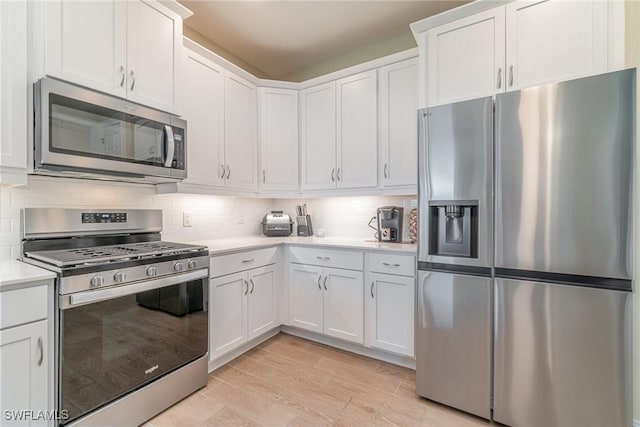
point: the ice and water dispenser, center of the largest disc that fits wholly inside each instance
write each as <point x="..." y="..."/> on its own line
<point x="454" y="228"/>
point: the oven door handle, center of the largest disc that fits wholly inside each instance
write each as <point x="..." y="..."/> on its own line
<point x="88" y="297"/>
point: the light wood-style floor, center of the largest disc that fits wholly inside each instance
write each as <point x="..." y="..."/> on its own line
<point x="289" y="381"/>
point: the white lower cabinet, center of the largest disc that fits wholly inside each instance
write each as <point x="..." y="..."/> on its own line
<point x="327" y="300"/>
<point x="242" y="305"/>
<point x="24" y="365"/>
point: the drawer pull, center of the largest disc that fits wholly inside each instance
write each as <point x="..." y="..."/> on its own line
<point x="325" y="282"/>
<point x="41" y="350"/>
<point x="248" y="261"/>
<point x="386" y="264"/>
<point x="325" y="258"/>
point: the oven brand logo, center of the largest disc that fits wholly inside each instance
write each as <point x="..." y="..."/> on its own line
<point x="151" y="369"/>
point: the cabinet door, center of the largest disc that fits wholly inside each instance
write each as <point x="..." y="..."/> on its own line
<point x="555" y="40"/>
<point x="389" y="313"/>
<point x="278" y="139"/>
<point x="305" y="297"/>
<point x="466" y="58"/>
<point x="357" y="131"/>
<point x="262" y="301"/>
<point x="343" y="304"/>
<point x="86" y="43"/>
<point x="23" y="363"/>
<point x="228" y="313"/>
<point x="318" y="137"/>
<point x="398" y="86"/>
<point x="203" y="101"/>
<point x="154" y="43"/>
<point x="240" y="132"/>
<point x="13" y="92"/>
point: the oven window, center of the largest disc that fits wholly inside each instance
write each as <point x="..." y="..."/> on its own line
<point x="113" y="347"/>
<point x="80" y="128"/>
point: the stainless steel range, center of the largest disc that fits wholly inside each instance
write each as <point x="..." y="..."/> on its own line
<point x="131" y="312"/>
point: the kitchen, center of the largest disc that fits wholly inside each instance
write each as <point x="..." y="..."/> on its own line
<point x="209" y="209"/>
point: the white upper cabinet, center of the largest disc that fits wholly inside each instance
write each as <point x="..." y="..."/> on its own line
<point x="203" y="107"/>
<point x="466" y="58"/>
<point x="554" y="40"/>
<point x="318" y="136"/>
<point x="278" y="139"/>
<point x="240" y="132"/>
<point x="129" y="49"/>
<point x="357" y="153"/>
<point x="398" y="123"/>
<point x="13" y="92"/>
<point x="522" y="44"/>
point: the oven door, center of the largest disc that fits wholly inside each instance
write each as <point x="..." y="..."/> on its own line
<point x="114" y="341"/>
<point x="80" y="130"/>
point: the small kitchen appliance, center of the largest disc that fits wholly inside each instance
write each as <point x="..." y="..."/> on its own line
<point x="131" y="312"/>
<point x="277" y="223"/>
<point x="389" y="220"/>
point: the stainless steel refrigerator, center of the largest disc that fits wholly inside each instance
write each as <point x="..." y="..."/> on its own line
<point x="536" y="328"/>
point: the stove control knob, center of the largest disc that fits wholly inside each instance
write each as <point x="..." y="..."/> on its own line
<point x="119" y="277"/>
<point x="178" y="266"/>
<point x="152" y="271"/>
<point x="96" y="281"/>
<point x="192" y="263"/>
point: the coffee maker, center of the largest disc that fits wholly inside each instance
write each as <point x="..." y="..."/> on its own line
<point x="389" y="221"/>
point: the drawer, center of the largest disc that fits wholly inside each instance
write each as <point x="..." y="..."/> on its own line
<point x="24" y="305"/>
<point x="328" y="258"/>
<point x="402" y="265"/>
<point x="241" y="261"/>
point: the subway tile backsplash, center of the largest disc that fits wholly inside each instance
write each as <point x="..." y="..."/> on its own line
<point x="212" y="217"/>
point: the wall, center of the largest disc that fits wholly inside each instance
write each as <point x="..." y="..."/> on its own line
<point x="632" y="54"/>
<point x="213" y="217"/>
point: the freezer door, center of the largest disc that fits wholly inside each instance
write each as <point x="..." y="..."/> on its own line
<point x="453" y="348"/>
<point x="564" y="156"/>
<point x="562" y="355"/>
<point x="455" y="151"/>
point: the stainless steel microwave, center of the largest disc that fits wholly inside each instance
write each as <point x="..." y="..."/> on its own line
<point x="81" y="132"/>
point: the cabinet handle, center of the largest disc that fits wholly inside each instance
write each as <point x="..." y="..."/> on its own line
<point x="325" y="258"/>
<point x="123" y="74"/>
<point x="499" y="77"/>
<point x="332" y="173"/>
<point x="228" y="171"/>
<point x="386" y="264"/>
<point x="223" y="172"/>
<point x="252" y="286"/>
<point x="41" y="350"/>
<point x="325" y="282"/>
<point x="386" y="175"/>
<point x="338" y="175"/>
<point x="247" y="261"/>
<point x="319" y="285"/>
<point x="372" y="290"/>
<point x="247" y="285"/>
<point x="511" y="76"/>
<point x="264" y="177"/>
<point x="133" y="79"/>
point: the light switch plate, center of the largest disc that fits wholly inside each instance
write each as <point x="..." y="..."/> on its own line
<point x="186" y="219"/>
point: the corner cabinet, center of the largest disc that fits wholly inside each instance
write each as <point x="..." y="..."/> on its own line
<point x="13" y="92"/>
<point x="128" y="49"/>
<point x="278" y="139"/>
<point x="521" y="44"/>
<point x="339" y="133"/>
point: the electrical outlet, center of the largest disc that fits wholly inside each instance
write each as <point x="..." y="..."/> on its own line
<point x="240" y="219"/>
<point x="186" y="219"/>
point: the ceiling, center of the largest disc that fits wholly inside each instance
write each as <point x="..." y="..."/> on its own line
<point x="281" y="38"/>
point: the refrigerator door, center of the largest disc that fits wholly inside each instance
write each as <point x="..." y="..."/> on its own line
<point x="456" y="167"/>
<point x="453" y="348"/>
<point x="562" y="355"/>
<point x="564" y="155"/>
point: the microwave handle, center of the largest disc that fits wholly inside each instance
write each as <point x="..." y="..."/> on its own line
<point x="171" y="145"/>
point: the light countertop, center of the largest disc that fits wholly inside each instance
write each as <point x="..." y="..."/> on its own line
<point x="220" y="246"/>
<point x="17" y="274"/>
